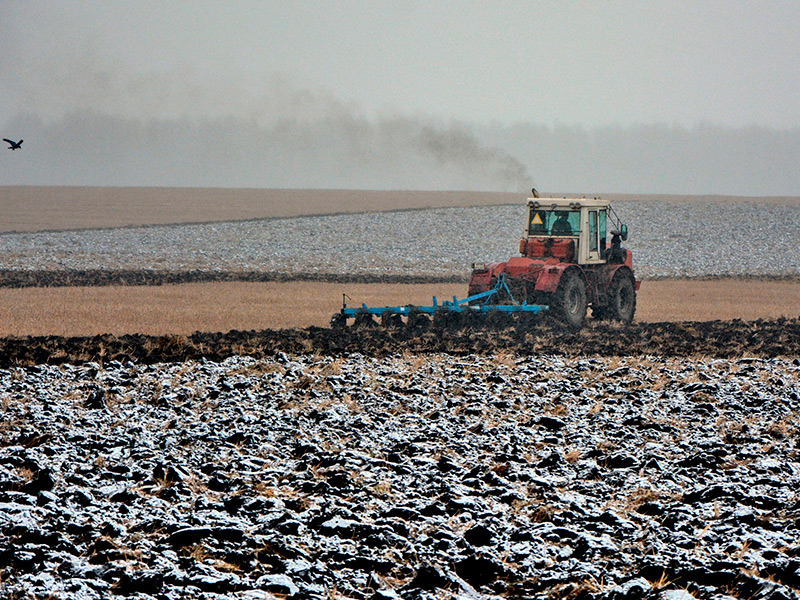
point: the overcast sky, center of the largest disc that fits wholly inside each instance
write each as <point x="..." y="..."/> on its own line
<point x="582" y="64"/>
<point x="585" y="62"/>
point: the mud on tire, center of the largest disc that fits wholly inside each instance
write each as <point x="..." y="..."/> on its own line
<point x="569" y="299"/>
<point x="622" y="297"/>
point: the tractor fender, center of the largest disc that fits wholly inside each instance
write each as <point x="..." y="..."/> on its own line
<point x="520" y="266"/>
<point x="551" y="275"/>
<point x="611" y="270"/>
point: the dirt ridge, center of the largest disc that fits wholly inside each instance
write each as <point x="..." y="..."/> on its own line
<point x="717" y="339"/>
<point x="14" y="278"/>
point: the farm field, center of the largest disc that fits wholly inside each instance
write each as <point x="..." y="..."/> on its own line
<point x="190" y="307"/>
<point x="695" y="238"/>
<point x="210" y="437"/>
<point x="414" y="476"/>
<point x="33" y="208"/>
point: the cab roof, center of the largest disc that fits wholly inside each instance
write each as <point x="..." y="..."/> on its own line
<point x="567" y="203"/>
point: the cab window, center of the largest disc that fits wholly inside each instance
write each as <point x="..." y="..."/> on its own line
<point x="602" y="217"/>
<point x="597" y="230"/>
<point x="594" y="243"/>
<point x="554" y="222"/>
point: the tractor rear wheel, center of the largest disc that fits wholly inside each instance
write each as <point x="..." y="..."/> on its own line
<point x="569" y="300"/>
<point x="622" y="295"/>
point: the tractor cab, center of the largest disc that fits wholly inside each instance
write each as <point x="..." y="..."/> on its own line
<point x="571" y="230"/>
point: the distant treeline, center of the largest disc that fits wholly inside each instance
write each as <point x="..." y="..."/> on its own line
<point x="656" y="159"/>
<point x="353" y="152"/>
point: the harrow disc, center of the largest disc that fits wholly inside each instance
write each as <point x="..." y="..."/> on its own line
<point x="498" y="319"/>
<point x="418" y="320"/>
<point x="472" y="319"/>
<point x="391" y="319"/>
<point x="447" y="319"/>
<point x="527" y="320"/>
<point x="364" y="319"/>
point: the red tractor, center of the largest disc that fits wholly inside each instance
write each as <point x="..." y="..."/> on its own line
<point x="566" y="263"/>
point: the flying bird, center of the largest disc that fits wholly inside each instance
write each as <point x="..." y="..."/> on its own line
<point x="14" y="145"/>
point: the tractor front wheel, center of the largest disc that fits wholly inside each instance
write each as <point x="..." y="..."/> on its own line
<point x="569" y="302"/>
<point x="623" y="297"/>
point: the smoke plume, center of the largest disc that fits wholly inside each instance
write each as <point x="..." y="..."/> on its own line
<point x="340" y="151"/>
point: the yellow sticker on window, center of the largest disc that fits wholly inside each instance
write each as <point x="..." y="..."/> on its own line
<point x="537" y="220"/>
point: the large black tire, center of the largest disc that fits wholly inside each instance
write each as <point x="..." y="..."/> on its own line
<point x="569" y="301"/>
<point x="622" y="297"/>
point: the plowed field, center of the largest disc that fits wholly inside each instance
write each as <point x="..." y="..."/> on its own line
<point x="724" y="339"/>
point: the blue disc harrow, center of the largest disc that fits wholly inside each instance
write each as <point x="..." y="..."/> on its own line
<point x="484" y="303"/>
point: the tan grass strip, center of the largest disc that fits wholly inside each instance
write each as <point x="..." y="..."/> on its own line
<point x="186" y="308"/>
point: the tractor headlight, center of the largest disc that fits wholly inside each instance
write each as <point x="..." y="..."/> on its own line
<point x="478" y="266"/>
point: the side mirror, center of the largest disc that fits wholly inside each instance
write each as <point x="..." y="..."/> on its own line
<point x="623" y="232"/>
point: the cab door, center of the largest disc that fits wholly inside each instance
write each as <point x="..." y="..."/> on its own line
<point x="594" y="239"/>
<point x="597" y="234"/>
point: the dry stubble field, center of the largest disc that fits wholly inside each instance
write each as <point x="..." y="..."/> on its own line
<point x="316" y="463"/>
<point x="186" y="308"/>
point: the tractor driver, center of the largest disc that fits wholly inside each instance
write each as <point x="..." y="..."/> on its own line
<point x="561" y="225"/>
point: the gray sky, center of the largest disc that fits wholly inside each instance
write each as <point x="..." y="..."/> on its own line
<point x="592" y="63"/>
<point x="454" y="68"/>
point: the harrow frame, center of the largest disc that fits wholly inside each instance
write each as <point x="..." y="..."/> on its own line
<point x="465" y="305"/>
